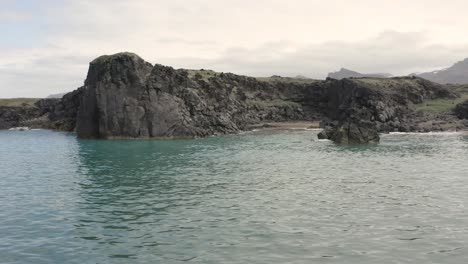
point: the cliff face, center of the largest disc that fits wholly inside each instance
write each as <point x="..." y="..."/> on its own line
<point x="110" y="103"/>
<point x="389" y="103"/>
<point x="56" y="114"/>
<point x="125" y="97"/>
<point x="13" y="116"/>
<point x="360" y="108"/>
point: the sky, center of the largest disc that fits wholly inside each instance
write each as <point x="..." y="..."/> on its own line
<point x="46" y="45"/>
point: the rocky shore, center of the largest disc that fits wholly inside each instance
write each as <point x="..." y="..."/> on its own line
<point x="126" y="97"/>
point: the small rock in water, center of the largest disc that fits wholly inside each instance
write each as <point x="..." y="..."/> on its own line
<point x="352" y="132"/>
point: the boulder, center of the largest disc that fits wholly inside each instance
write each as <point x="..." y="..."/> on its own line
<point x="352" y="132"/>
<point x="461" y="110"/>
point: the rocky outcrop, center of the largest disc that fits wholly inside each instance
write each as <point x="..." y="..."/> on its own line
<point x="362" y="108"/>
<point x="56" y="114"/>
<point x="352" y="132"/>
<point x="125" y="97"/>
<point x="461" y="110"/>
<point x="110" y="103"/>
<point x="15" y="116"/>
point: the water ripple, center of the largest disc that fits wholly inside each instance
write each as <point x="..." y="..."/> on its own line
<point x="259" y="197"/>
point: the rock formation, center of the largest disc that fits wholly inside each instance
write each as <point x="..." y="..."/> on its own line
<point x="363" y="107"/>
<point x="461" y="110"/>
<point x="125" y="97"/>
<point x="352" y="132"/>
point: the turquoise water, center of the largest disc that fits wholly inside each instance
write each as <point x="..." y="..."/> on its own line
<point x="259" y="197"/>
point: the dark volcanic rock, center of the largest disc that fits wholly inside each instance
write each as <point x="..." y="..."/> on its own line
<point x="461" y="110"/>
<point x="387" y="103"/>
<point x="62" y="113"/>
<point x="14" y="116"/>
<point x="365" y="107"/>
<point x="110" y="104"/>
<point x="354" y="132"/>
<point x="126" y="97"/>
<point x="57" y="114"/>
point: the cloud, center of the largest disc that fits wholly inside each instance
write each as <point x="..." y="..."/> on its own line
<point x="261" y="38"/>
<point x="12" y="16"/>
<point x="398" y="53"/>
<point x="40" y="72"/>
<point x="54" y="69"/>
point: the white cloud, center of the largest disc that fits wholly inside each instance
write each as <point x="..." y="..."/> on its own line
<point x="263" y="37"/>
<point x="12" y="16"/>
<point x="398" y="53"/>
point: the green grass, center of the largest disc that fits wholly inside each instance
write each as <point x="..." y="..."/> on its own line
<point x="388" y="85"/>
<point x="275" y="79"/>
<point x="205" y="74"/>
<point x="440" y="105"/>
<point x="24" y="102"/>
<point x="461" y="89"/>
<point x="444" y="105"/>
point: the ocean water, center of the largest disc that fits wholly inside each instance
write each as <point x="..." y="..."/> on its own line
<point x="258" y="197"/>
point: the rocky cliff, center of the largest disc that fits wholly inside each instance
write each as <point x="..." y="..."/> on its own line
<point x="461" y="110"/>
<point x="125" y="97"/>
<point x="362" y="108"/>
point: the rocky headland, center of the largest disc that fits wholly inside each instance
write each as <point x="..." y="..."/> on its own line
<point x="126" y="97"/>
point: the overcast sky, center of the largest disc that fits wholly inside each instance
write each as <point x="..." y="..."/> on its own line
<point x="46" y="45"/>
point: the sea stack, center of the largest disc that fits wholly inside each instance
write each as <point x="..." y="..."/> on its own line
<point x="125" y="97"/>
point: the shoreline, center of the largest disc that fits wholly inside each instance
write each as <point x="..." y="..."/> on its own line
<point x="285" y="125"/>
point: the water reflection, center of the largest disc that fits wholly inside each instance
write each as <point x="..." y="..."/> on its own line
<point x="146" y="194"/>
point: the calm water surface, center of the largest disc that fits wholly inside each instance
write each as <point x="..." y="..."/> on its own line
<point x="259" y="197"/>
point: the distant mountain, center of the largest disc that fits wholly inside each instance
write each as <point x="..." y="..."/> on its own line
<point x="345" y="73"/>
<point x="457" y="74"/>
<point x="60" y="95"/>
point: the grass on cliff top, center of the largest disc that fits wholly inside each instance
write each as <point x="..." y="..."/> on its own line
<point x="461" y="89"/>
<point x="276" y="79"/>
<point x="429" y="106"/>
<point x="205" y="74"/>
<point x="444" y="105"/>
<point x="387" y="84"/>
<point x="440" y="105"/>
<point x="24" y="102"/>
